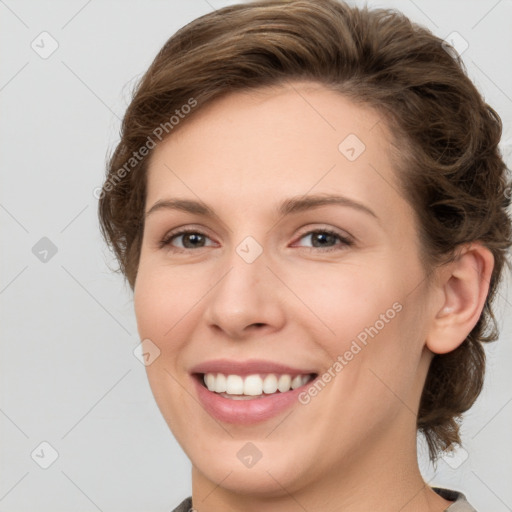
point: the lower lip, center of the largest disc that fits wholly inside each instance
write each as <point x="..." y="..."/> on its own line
<point x="246" y="412"/>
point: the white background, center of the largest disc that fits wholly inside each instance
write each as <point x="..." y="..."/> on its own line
<point x="69" y="376"/>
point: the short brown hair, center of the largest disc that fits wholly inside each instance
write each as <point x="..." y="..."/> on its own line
<point x="450" y="166"/>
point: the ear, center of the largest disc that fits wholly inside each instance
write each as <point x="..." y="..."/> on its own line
<point x="463" y="286"/>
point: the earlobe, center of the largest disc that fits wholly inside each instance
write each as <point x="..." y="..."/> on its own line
<point x="464" y="291"/>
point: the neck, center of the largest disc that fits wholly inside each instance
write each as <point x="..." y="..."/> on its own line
<point x="381" y="476"/>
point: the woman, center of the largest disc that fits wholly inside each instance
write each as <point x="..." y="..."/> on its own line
<point x="309" y="205"/>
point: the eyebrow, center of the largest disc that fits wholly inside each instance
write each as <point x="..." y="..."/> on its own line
<point x="287" y="207"/>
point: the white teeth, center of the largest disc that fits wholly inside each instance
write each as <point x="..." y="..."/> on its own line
<point x="253" y="385"/>
<point x="284" y="383"/>
<point x="270" y="384"/>
<point x="297" y="382"/>
<point x="220" y="383"/>
<point x="209" y="380"/>
<point x="235" y="385"/>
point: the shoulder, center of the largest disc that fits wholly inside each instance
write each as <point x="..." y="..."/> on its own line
<point x="460" y="504"/>
<point x="186" y="506"/>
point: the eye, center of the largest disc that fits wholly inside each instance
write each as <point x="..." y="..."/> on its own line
<point x="191" y="239"/>
<point x="325" y="240"/>
<point x="322" y="239"/>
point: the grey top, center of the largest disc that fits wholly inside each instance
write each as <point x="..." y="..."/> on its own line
<point x="459" y="504"/>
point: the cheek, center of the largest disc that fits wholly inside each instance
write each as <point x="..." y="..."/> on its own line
<point x="163" y="302"/>
<point x="348" y="302"/>
<point x="163" y="299"/>
<point x="370" y="325"/>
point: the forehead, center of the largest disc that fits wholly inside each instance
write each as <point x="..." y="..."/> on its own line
<point x="292" y="139"/>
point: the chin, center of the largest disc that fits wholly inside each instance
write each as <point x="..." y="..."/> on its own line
<point x="268" y="479"/>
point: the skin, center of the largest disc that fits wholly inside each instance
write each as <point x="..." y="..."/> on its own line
<point x="353" y="446"/>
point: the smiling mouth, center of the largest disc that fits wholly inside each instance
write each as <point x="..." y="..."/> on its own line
<point x="253" y="386"/>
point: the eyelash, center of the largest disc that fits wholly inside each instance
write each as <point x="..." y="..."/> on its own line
<point x="169" y="237"/>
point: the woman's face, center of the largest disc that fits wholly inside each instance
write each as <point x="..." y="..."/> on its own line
<point x="271" y="281"/>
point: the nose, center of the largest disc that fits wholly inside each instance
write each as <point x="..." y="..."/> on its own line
<point x="246" y="298"/>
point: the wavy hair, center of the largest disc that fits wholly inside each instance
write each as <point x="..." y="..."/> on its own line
<point x="449" y="164"/>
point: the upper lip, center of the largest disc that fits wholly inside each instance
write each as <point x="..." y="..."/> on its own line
<point x="249" y="367"/>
